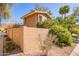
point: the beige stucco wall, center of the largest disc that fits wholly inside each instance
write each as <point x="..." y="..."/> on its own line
<point x="16" y="34"/>
<point x="44" y="17"/>
<point x="28" y="38"/>
<point x="31" y="40"/>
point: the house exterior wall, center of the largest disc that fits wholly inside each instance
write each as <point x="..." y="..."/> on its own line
<point x="31" y="21"/>
<point x="44" y="17"/>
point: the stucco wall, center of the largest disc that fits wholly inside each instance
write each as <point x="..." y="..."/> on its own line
<point x="31" y="40"/>
<point x="44" y="17"/>
<point x="16" y="34"/>
<point x="28" y="38"/>
<point x="31" y="21"/>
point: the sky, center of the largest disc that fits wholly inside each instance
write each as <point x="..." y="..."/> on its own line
<point x="20" y="9"/>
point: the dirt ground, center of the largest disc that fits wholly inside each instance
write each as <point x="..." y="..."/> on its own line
<point x="57" y="51"/>
<point x="1" y="46"/>
<point x="54" y="51"/>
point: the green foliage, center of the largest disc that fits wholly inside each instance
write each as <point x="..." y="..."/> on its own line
<point x="69" y="21"/>
<point x="10" y="47"/>
<point x="47" y="23"/>
<point x="5" y="11"/>
<point x="75" y="30"/>
<point x="63" y="10"/>
<point x="60" y="20"/>
<point x="63" y="34"/>
<point x="40" y="24"/>
<point x="8" y="39"/>
<point x="40" y="8"/>
<point x="62" y="26"/>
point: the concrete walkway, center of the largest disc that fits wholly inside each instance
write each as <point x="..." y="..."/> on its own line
<point x="1" y="46"/>
<point x="75" y="52"/>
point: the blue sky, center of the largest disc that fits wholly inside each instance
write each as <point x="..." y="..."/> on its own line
<point x="20" y="9"/>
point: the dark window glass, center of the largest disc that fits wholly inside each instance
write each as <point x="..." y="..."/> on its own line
<point x="40" y="18"/>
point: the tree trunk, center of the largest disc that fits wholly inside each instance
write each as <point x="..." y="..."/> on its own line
<point x="63" y="16"/>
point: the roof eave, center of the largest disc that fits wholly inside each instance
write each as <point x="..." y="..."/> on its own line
<point x="35" y="13"/>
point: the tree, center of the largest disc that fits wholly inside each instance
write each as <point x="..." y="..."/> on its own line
<point x="76" y="12"/>
<point x="40" y="8"/>
<point x="63" y="10"/>
<point x="60" y="20"/>
<point x="69" y="21"/>
<point x="4" y="11"/>
<point x="64" y="36"/>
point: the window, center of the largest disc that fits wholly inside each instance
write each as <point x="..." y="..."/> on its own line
<point x="40" y="18"/>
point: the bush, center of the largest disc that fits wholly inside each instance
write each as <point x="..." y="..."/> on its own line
<point x="75" y="30"/>
<point x="8" y="39"/>
<point x="10" y="47"/>
<point x="5" y="35"/>
<point x="64" y="36"/>
<point x="47" y="23"/>
<point x="16" y="26"/>
<point x="59" y="28"/>
<point x="40" y="24"/>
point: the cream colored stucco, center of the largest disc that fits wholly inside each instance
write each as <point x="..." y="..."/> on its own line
<point x="28" y="38"/>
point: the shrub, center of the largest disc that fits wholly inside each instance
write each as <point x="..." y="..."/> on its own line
<point x="47" y="23"/>
<point x="75" y="30"/>
<point x="8" y="39"/>
<point x="5" y="35"/>
<point x="9" y="47"/>
<point x="64" y="36"/>
<point x="60" y="28"/>
<point x="40" y="24"/>
<point x="16" y="26"/>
